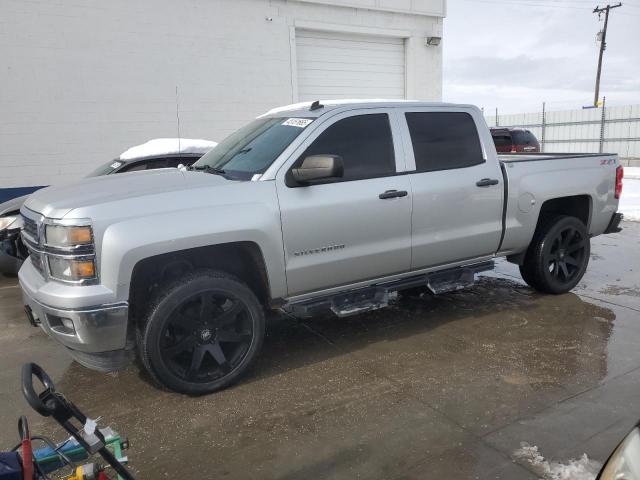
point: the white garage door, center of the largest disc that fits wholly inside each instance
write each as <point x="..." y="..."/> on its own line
<point x="342" y="65"/>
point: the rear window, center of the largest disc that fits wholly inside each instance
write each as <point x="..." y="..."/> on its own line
<point x="501" y="139"/>
<point x="444" y="140"/>
<point x="522" y="137"/>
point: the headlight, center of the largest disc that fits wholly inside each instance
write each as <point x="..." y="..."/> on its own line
<point x="70" y="252"/>
<point x="72" y="269"/>
<point x="5" y="222"/>
<point x="624" y="463"/>
<point x="68" y="236"/>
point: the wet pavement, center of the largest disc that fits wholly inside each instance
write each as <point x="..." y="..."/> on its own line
<point x="433" y="387"/>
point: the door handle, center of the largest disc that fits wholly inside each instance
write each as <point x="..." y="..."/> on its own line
<point x="487" y="182"/>
<point x="392" y="194"/>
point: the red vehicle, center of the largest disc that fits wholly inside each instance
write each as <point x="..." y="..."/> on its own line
<point x="514" y="140"/>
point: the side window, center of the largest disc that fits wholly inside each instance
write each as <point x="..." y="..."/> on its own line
<point x="144" y="165"/>
<point x="133" y="167"/>
<point x="153" y="164"/>
<point x="444" y="140"/>
<point x="364" y="142"/>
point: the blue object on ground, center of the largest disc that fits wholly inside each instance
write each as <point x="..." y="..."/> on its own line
<point x="10" y="466"/>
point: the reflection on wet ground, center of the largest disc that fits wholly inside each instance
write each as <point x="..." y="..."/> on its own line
<point x="432" y="387"/>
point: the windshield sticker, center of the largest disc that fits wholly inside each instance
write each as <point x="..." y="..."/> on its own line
<point x="297" y="122"/>
<point x="116" y="164"/>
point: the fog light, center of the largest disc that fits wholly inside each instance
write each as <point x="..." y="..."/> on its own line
<point x="71" y="269"/>
<point x="68" y="324"/>
<point x="62" y="325"/>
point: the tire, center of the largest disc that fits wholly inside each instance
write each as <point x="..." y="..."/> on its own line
<point x="201" y="333"/>
<point x="557" y="256"/>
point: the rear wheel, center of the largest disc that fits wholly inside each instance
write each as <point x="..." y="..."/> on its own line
<point x="202" y="333"/>
<point x="558" y="255"/>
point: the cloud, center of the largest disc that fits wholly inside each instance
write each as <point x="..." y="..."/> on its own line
<point x="516" y="56"/>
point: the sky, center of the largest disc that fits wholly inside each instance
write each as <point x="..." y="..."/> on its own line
<point x="515" y="54"/>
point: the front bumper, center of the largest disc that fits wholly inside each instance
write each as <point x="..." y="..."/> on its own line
<point x="93" y="330"/>
<point x="98" y="329"/>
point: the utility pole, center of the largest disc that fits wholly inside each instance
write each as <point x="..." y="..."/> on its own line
<point x="544" y="122"/>
<point x="603" y="45"/>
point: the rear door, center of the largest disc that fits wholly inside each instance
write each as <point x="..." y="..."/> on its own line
<point x="341" y="232"/>
<point x="457" y="193"/>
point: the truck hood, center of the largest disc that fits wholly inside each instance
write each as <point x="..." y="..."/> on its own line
<point x="56" y="202"/>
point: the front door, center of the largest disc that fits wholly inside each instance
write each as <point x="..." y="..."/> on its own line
<point x="347" y="230"/>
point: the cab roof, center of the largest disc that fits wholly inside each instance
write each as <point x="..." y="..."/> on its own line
<point x="305" y="108"/>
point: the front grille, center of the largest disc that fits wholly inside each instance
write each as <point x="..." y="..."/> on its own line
<point x="32" y="241"/>
<point x="30" y="228"/>
<point x="38" y="261"/>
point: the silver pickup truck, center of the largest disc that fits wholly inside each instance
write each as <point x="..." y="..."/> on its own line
<point x="309" y="208"/>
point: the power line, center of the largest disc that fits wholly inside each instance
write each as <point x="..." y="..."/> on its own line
<point x="603" y="44"/>
<point x="526" y="4"/>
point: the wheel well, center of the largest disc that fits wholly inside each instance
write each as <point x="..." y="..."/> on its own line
<point x="578" y="206"/>
<point x="242" y="259"/>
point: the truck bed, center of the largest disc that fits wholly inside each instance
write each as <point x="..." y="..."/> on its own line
<point x="536" y="157"/>
<point x="531" y="179"/>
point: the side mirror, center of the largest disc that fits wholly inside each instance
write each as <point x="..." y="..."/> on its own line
<point x="318" y="167"/>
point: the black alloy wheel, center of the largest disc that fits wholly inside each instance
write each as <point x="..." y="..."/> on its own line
<point x="202" y="333"/>
<point x="206" y="337"/>
<point x="565" y="257"/>
<point x="558" y="255"/>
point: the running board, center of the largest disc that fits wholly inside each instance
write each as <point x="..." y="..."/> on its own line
<point x="378" y="296"/>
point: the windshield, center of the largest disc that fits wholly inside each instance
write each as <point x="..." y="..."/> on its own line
<point x="254" y="147"/>
<point x="106" y="168"/>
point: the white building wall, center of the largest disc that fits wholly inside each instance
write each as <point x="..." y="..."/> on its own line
<point x="84" y="80"/>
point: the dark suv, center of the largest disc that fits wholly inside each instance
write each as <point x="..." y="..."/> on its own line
<point x="514" y="140"/>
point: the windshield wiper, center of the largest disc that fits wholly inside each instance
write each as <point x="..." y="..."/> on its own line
<point x="208" y="169"/>
<point x="217" y="171"/>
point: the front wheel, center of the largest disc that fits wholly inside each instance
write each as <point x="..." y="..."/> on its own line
<point x="202" y="333"/>
<point x="558" y="255"/>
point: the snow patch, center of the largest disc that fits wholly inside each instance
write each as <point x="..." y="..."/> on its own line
<point x="580" y="469"/>
<point x="630" y="199"/>
<point x="632" y="172"/>
<point x="168" y="146"/>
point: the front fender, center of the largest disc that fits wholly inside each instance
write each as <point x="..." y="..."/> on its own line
<point x="126" y="243"/>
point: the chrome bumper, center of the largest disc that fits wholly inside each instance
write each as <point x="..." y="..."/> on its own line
<point x="98" y="329"/>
